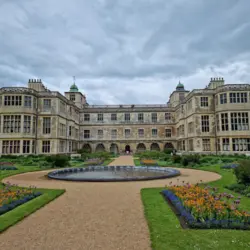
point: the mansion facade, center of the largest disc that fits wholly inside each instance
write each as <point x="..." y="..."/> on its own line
<point x="35" y="120"/>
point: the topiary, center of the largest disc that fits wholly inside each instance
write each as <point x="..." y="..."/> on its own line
<point x="242" y="172"/>
<point x="176" y="159"/>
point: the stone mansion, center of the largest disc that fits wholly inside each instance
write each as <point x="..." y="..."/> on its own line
<point x="35" y="120"/>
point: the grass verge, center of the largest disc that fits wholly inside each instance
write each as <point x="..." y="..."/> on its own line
<point x="165" y="229"/>
<point x="17" y="214"/>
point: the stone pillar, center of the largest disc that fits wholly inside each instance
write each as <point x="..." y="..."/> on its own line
<point x="1" y="124"/>
<point x="21" y="145"/>
<point x="22" y="123"/>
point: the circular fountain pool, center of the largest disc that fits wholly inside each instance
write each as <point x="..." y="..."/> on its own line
<point x="113" y="173"/>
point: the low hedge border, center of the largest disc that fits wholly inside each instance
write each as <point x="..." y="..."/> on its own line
<point x="8" y="168"/>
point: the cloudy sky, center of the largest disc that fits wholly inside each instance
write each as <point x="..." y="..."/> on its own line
<point x="124" y="51"/>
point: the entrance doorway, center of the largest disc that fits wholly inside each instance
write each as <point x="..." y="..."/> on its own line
<point x="127" y="148"/>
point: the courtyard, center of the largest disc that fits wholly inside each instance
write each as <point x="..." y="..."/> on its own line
<point x="110" y="216"/>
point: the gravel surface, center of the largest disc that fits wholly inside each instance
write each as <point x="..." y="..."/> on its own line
<point x="98" y="216"/>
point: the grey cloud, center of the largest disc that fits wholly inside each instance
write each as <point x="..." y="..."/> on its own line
<point x="116" y="48"/>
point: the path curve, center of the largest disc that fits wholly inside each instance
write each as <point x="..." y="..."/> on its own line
<point x="98" y="216"/>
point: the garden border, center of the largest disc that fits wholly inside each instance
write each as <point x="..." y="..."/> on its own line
<point x="183" y="215"/>
<point x="10" y="206"/>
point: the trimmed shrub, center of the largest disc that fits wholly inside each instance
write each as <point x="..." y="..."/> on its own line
<point x="168" y="151"/>
<point x="58" y="160"/>
<point x="242" y="172"/>
<point x="176" y="159"/>
<point x="190" y="159"/>
<point x="236" y="187"/>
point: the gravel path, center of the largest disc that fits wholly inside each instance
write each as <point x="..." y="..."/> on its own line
<point x="98" y="216"/>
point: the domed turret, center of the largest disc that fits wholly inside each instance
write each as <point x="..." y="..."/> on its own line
<point x="180" y="86"/>
<point x="74" y="88"/>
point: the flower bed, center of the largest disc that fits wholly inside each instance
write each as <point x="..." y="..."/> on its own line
<point x="230" y="166"/>
<point x="7" y="166"/>
<point x="205" y="208"/>
<point x="11" y="197"/>
<point x="94" y="162"/>
<point x="149" y="162"/>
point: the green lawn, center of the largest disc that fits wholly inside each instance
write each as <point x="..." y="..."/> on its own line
<point x="165" y="230"/>
<point x="12" y="217"/>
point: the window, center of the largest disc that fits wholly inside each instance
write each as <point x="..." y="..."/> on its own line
<point x="224" y="122"/>
<point x="100" y="133"/>
<point x="241" y="144"/>
<point x="46" y="103"/>
<point x="113" y="133"/>
<point x="180" y="130"/>
<point x="26" y="147"/>
<point x="27" y="101"/>
<point x="206" y="145"/>
<point x="225" y="144"/>
<point x="27" y="124"/>
<point x="154" y="117"/>
<point x="181" y="145"/>
<point x="70" y="130"/>
<point x="190" y="127"/>
<point x="11" y="123"/>
<point x="167" y="116"/>
<point x="62" y="146"/>
<point x="34" y="103"/>
<point x="240" y="97"/>
<point x="239" y="121"/>
<point x="62" y="129"/>
<point x="86" y="117"/>
<point x="154" y="132"/>
<point x="99" y="117"/>
<point x="46" y="146"/>
<point x="127" y="133"/>
<point x="46" y="125"/>
<point x="70" y="146"/>
<point x="15" y="100"/>
<point x="205" y="123"/>
<point x="181" y="96"/>
<point x="204" y="101"/>
<point x="127" y="116"/>
<point x="191" y="145"/>
<point x="74" y="146"/>
<point x="141" y="117"/>
<point x="86" y="134"/>
<point x="34" y="125"/>
<point x="141" y="132"/>
<point x="11" y="147"/>
<point x="72" y="97"/>
<point x="113" y="117"/>
<point x="168" y="132"/>
<point x="223" y="98"/>
<point x="217" y="122"/>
